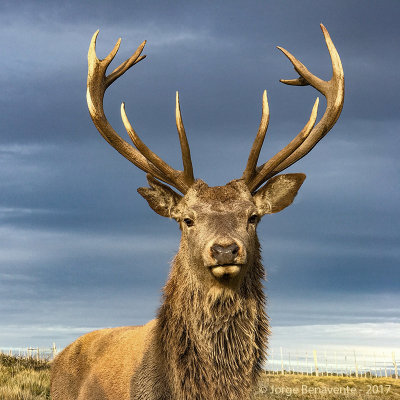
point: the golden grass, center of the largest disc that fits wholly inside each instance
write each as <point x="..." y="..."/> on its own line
<point x="28" y="379"/>
<point x="293" y="387"/>
<point x="24" y="379"/>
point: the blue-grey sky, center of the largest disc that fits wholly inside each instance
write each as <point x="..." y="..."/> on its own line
<point x="80" y="249"/>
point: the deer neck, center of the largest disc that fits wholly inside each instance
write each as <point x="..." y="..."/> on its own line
<point x="212" y="337"/>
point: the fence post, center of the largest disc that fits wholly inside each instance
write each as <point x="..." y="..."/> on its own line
<point x="355" y="363"/>
<point x="54" y="350"/>
<point x="326" y="364"/>
<point x="396" y="374"/>
<point x="344" y="370"/>
<point x="315" y="362"/>
<point x="337" y="373"/>
<point x="306" y="363"/>
<point x="283" y="371"/>
<point x="384" y="364"/>
<point x="366" y="366"/>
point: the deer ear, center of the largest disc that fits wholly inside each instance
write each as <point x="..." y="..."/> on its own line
<point x="161" y="198"/>
<point x="278" y="193"/>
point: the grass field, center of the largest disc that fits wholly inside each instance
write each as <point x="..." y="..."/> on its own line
<point x="28" y="379"/>
<point x="304" y="387"/>
<point x="24" y="379"/>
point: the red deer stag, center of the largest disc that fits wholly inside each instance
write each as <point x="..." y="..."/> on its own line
<point x="210" y="336"/>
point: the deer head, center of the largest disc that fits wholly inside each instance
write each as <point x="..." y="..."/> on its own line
<point x="218" y="223"/>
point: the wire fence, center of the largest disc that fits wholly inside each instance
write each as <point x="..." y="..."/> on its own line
<point x="285" y="362"/>
<point x="42" y="353"/>
<point x="329" y="362"/>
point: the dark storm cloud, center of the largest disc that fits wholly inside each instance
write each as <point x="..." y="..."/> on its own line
<point x="74" y="233"/>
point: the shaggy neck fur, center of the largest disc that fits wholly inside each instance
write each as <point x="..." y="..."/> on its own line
<point x="213" y="339"/>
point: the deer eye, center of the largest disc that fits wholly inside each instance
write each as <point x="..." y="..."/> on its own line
<point x="253" y="219"/>
<point x="189" y="222"/>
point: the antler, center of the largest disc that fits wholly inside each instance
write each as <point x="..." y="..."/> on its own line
<point x="142" y="156"/>
<point x="310" y="135"/>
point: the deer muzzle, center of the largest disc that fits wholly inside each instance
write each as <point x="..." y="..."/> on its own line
<point x="226" y="258"/>
<point x="225" y="255"/>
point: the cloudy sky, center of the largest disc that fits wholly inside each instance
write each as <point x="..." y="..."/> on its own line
<point x="81" y="250"/>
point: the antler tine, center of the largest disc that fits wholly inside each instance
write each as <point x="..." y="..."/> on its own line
<point x="131" y="61"/>
<point x="186" y="158"/>
<point x="250" y="170"/>
<point x="306" y="77"/>
<point x="169" y="172"/>
<point x="96" y="87"/>
<point x="333" y="90"/>
<point x="265" y="169"/>
<point x="97" y="84"/>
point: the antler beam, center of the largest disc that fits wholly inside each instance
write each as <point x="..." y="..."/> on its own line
<point x="304" y="142"/>
<point x="142" y="156"/>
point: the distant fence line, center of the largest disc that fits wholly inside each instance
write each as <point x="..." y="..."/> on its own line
<point x="337" y="363"/>
<point x="340" y="363"/>
<point x="42" y="353"/>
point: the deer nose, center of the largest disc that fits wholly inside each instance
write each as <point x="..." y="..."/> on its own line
<point x="225" y="254"/>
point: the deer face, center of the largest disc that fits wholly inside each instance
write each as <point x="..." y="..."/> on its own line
<point x="219" y="223"/>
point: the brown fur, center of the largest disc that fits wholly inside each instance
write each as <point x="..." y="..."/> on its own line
<point x="210" y="336"/>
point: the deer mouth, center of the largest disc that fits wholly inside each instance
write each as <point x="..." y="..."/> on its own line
<point x="225" y="271"/>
